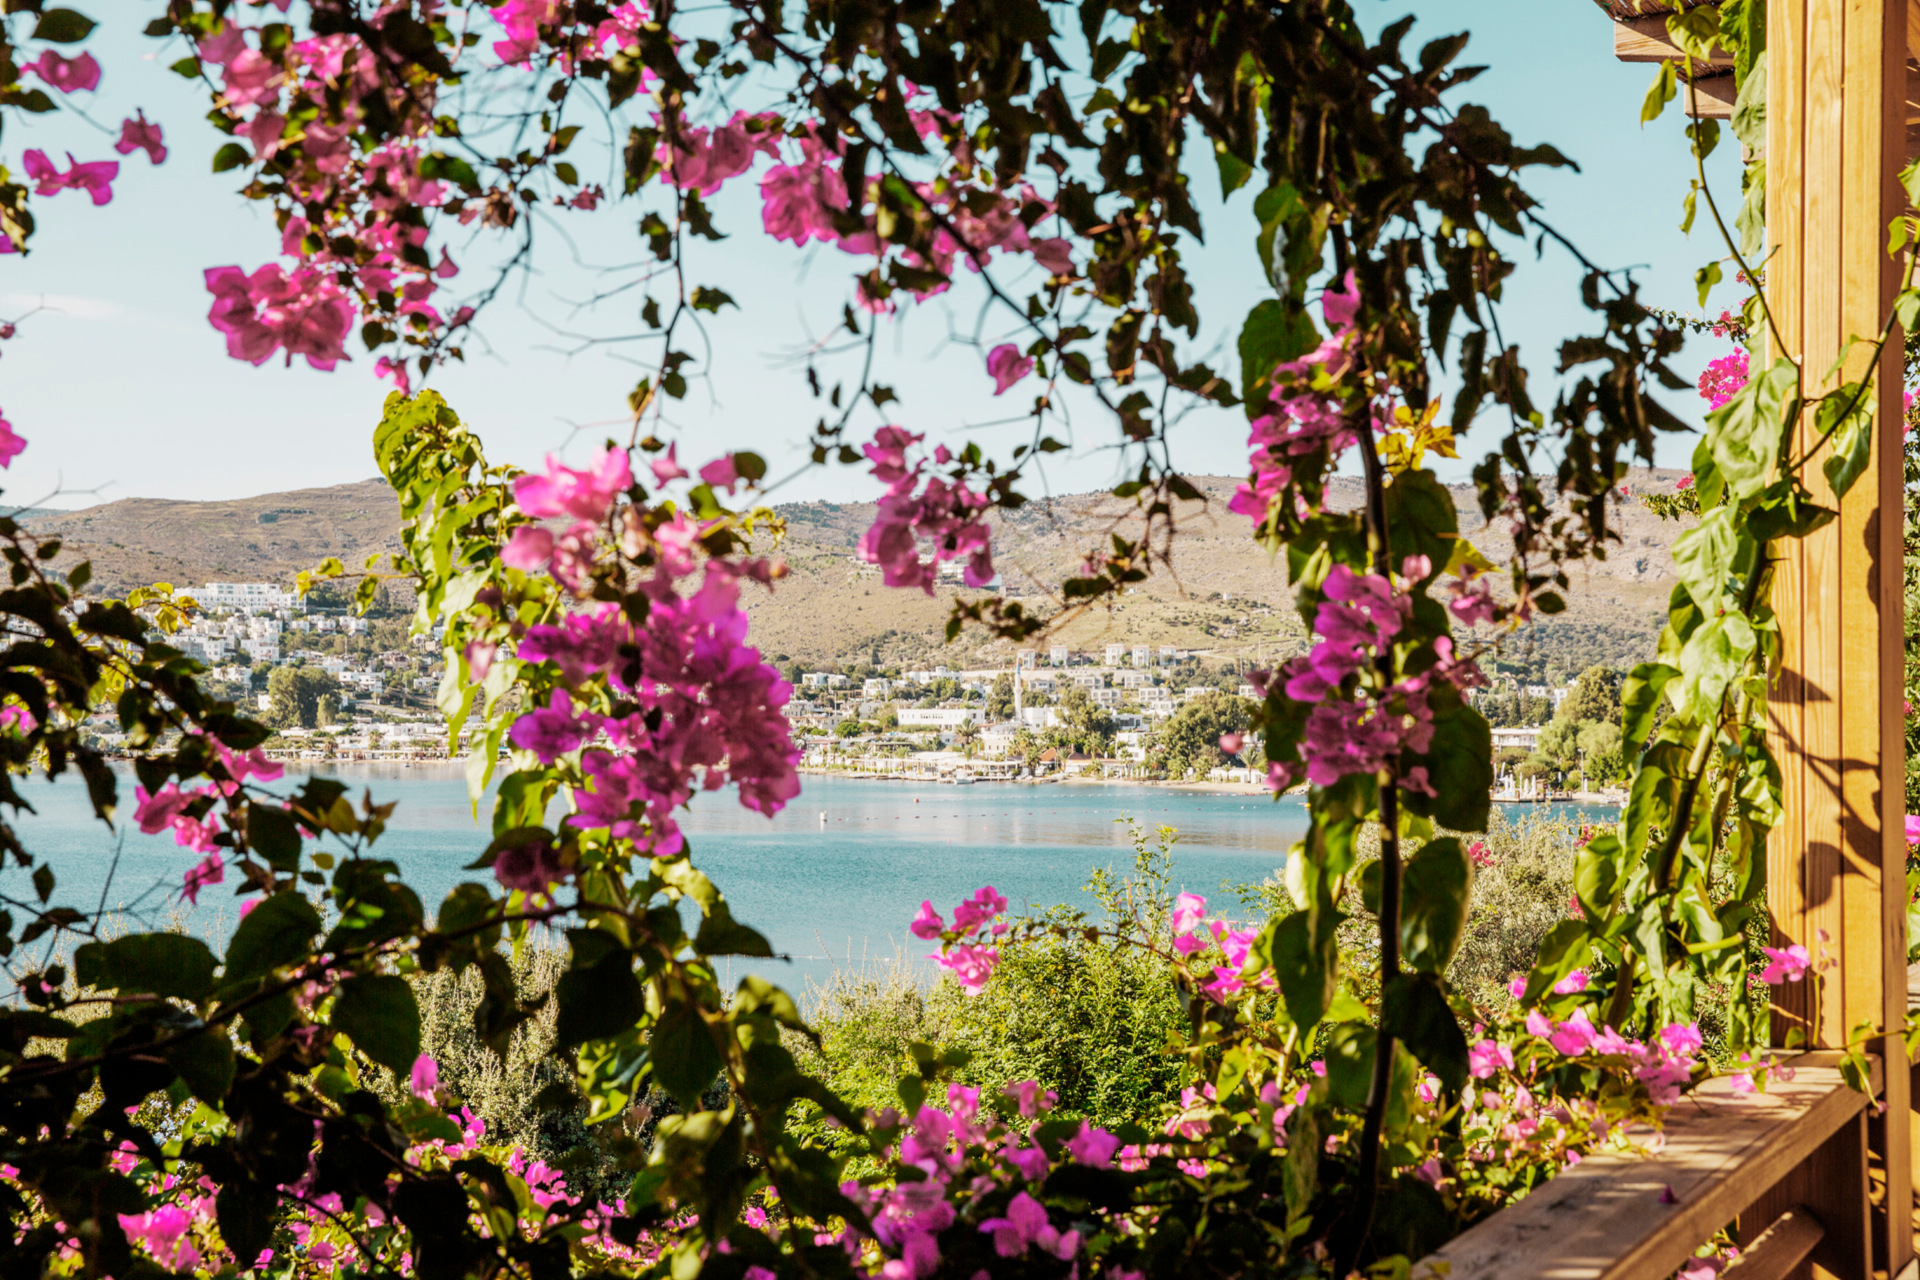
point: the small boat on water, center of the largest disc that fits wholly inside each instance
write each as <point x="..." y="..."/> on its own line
<point x="962" y="778"/>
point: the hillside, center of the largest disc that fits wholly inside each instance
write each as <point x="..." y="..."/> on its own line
<point x="1224" y="593"/>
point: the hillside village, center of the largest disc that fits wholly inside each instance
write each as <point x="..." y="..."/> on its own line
<point x="1145" y="687"/>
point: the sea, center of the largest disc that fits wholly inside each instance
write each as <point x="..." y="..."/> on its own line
<point x="831" y="881"/>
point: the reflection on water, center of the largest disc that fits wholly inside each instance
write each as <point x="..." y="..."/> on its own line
<point x="833" y="878"/>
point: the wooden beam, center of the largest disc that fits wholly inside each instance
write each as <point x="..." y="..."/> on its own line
<point x="1646" y="40"/>
<point x="1837" y="108"/>
<point x="1778" y="1251"/>
<point x="1622" y="1217"/>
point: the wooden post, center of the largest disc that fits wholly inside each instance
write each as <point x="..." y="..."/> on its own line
<point x="1836" y="133"/>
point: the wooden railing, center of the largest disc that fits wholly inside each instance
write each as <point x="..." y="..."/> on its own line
<point x="1787" y="1168"/>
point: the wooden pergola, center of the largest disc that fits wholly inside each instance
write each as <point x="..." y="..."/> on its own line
<point x="1817" y="1180"/>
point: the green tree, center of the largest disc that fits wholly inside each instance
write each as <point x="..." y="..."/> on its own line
<point x="294" y="695"/>
<point x="1088" y="727"/>
<point x="1560" y="742"/>
<point x="1595" y="696"/>
<point x="1189" y="743"/>
<point x="1000" y="701"/>
<point x="1600" y="752"/>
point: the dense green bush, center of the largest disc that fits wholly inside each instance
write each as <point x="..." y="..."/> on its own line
<point x="1077" y="1012"/>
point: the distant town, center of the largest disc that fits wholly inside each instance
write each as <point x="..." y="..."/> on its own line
<point x="339" y="687"/>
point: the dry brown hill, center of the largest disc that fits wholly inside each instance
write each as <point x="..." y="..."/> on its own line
<point x="1225" y="594"/>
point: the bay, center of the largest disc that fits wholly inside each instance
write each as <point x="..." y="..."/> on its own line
<point x="832" y="880"/>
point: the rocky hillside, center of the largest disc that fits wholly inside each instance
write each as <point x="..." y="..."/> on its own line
<point x="1224" y="593"/>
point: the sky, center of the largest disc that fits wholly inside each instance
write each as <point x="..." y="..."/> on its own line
<point x="123" y="390"/>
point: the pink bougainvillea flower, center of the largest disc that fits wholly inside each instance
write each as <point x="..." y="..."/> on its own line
<point x="1026" y="1226"/>
<point x="1723" y="379"/>
<point x="302" y="311"/>
<point x="1684" y="483"/>
<point x="971" y="965"/>
<point x="983" y="906"/>
<point x="425" y="1079"/>
<point x="137" y="133"/>
<point x="11" y="442"/>
<point x="1573" y="982"/>
<point x="1481" y="857"/>
<point x="1488" y="1057"/>
<point x="17" y="718"/>
<point x="522" y="20"/>
<point x="1188" y="910"/>
<point x="1006" y="366"/>
<point x="68" y="75"/>
<point x="585" y="495"/>
<point x="1785" y="964"/>
<point x="666" y="467"/>
<point x="95" y="177"/>
<point x="1029" y="1097"/>
<point x="1232" y="742"/>
<point x="927" y="924"/>
<point x="528" y="549"/>
<point x="720" y="473"/>
<point x="531" y="868"/>
<point x="554" y="730"/>
<point x="1913" y="819"/>
<point x="211" y="871"/>
<point x="1092" y="1146"/>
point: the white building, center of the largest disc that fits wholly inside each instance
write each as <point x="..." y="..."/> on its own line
<point x="1108" y="698"/>
<point x="1133" y="680"/>
<point x="1091" y="679"/>
<point x="1115" y="655"/>
<point x="1157" y="708"/>
<point x="1168" y="655"/>
<point x="1526" y="739"/>
<point x="262" y="649"/>
<point x="1027" y="659"/>
<point x="814" y="680"/>
<point x="1059" y="655"/>
<point x="250" y="597"/>
<point x="1249" y="692"/>
<point x="998" y="739"/>
<point x="354" y="626"/>
<point x="876" y="687"/>
<point x="1142" y="655"/>
<point x="940" y="717"/>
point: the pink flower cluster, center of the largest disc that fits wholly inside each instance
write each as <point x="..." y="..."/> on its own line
<point x="703" y="709"/>
<point x="908" y="1214"/>
<point x="95" y="177"/>
<point x="303" y="312"/>
<point x="971" y="962"/>
<point x="188" y="812"/>
<point x="1723" y="379"/>
<point x="1785" y="964"/>
<point x="1306" y="417"/>
<point x="365" y="249"/>
<point x="915" y="506"/>
<point x="586" y="496"/>
<point x="1663" y="1066"/>
<point x="1235" y="945"/>
<point x="1360" y="731"/>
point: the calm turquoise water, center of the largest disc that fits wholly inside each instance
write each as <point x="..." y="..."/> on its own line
<point x="834" y="892"/>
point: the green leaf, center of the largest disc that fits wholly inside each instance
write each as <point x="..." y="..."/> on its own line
<point x="1743" y="435"/>
<point x="206" y="1063"/>
<point x="231" y="156"/>
<point x="378" y="1013"/>
<point x="1749" y="121"/>
<point x="1704" y="555"/>
<point x="684" y="1056"/>
<point x="1274" y="333"/>
<point x="1847" y="413"/>
<point x="1306" y="971"/>
<point x="245" y="1210"/>
<point x="161" y="964"/>
<point x="1435" y="888"/>
<point x="440" y="165"/>
<point x="1705" y="278"/>
<point x="277" y="932"/>
<point x="1640" y="699"/>
<point x="1596" y="875"/>
<point x="1712" y="658"/>
<point x="1564" y="949"/>
<point x="1414" y="1008"/>
<point x="1349" y="1059"/>
<point x="1421" y="518"/>
<point x="707" y="299"/>
<point x="1659" y="94"/>
<point x="721" y="935"/>
<point x="62" y="26"/>
<point x="1234" y="171"/>
<point x="273" y="834"/>
<point x="599" y="997"/>
<point x="1459" y="765"/>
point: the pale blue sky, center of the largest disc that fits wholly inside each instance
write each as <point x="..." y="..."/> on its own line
<point x="121" y="386"/>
